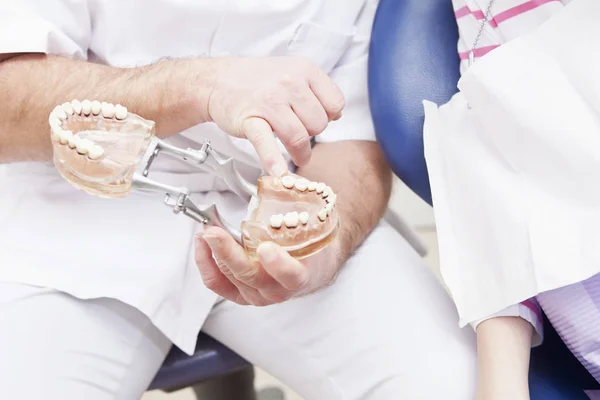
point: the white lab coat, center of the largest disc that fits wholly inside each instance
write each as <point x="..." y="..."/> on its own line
<point x="135" y="249"/>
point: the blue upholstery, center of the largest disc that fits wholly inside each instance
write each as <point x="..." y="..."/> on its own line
<point x="413" y="56"/>
<point x="555" y="373"/>
<point x="211" y="360"/>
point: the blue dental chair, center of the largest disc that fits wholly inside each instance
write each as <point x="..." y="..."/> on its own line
<point x="413" y="57"/>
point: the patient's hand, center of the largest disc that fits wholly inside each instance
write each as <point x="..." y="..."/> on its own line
<point x="273" y="277"/>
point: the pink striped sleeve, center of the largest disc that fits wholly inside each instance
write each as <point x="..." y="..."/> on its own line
<point x="506" y="20"/>
<point x="497" y="18"/>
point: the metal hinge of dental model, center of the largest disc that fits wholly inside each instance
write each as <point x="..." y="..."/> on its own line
<point x="179" y="198"/>
<point x="69" y="120"/>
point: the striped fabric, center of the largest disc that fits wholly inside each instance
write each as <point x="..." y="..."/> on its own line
<point x="574" y="311"/>
<point x="508" y="19"/>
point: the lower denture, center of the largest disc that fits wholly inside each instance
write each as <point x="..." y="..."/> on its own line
<point x="294" y="213"/>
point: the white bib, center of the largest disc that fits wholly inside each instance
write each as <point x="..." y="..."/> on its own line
<point x="516" y="178"/>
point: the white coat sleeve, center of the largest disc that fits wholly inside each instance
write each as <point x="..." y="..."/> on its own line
<point x="350" y="74"/>
<point x="60" y="27"/>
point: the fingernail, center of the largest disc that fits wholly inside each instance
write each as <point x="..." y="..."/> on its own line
<point x="267" y="252"/>
<point x="211" y="240"/>
<point x="278" y="170"/>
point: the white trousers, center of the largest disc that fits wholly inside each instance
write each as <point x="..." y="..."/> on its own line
<point x="384" y="330"/>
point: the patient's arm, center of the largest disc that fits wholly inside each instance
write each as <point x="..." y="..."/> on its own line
<point x="503" y="348"/>
<point x="33" y="84"/>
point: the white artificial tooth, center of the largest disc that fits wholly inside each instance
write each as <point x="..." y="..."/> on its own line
<point x="56" y="131"/>
<point x="327" y="192"/>
<point x="86" y="107"/>
<point x="288" y="181"/>
<point x="322" y="214"/>
<point x="276" y="221"/>
<point x="331" y="199"/>
<point x="291" y="219"/>
<point x="53" y="117"/>
<point x="76" y="104"/>
<point x="65" y="136"/>
<point x="96" y="107"/>
<point x="54" y="121"/>
<point x="95" y="152"/>
<point x="120" y="112"/>
<point x="59" y="113"/>
<point x="329" y="208"/>
<point x="108" y="110"/>
<point x="68" y="108"/>
<point x="73" y="140"/>
<point x="303" y="218"/>
<point x="320" y="187"/>
<point x="312" y="186"/>
<point x="83" y="146"/>
<point x="301" y="185"/>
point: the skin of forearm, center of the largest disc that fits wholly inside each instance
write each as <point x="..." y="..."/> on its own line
<point x="172" y="93"/>
<point x="358" y="174"/>
<point x="503" y="347"/>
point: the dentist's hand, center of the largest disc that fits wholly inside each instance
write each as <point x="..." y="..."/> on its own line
<point x="262" y="98"/>
<point x="274" y="278"/>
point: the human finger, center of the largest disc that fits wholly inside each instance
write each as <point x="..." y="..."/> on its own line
<point x="229" y="252"/>
<point x="259" y="132"/>
<point x="212" y="277"/>
<point x="310" y="112"/>
<point x="249" y="294"/>
<point x="328" y="92"/>
<point x="266" y="293"/>
<point x="285" y="269"/>
<point x="245" y="294"/>
<point x="292" y="133"/>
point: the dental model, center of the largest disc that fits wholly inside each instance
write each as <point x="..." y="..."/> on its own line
<point x="297" y="214"/>
<point x="100" y="148"/>
<point x="97" y="146"/>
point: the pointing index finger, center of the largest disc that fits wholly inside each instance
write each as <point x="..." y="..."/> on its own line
<point x="259" y="133"/>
